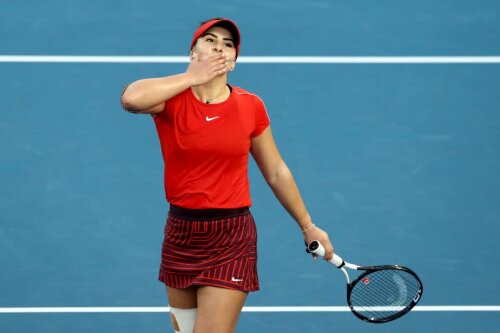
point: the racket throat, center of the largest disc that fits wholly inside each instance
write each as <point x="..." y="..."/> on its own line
<point x="346" y="275"/>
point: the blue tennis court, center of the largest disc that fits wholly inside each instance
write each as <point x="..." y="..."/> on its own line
<point x="397" y="161"/>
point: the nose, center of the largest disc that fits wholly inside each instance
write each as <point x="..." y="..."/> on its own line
<point x="217" y="47"/>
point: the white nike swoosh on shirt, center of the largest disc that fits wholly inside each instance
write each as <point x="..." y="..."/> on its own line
<point x="207" y="118"/>
<point x="236" y="280"/>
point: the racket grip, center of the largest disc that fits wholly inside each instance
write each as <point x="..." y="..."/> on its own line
<point x="316" y="248"/>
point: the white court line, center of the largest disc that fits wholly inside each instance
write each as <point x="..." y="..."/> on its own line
<point x="255" y="60"/>
<point x="423" y="308"/>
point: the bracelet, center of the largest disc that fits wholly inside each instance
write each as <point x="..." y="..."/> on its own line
<point x="308" y="228"/>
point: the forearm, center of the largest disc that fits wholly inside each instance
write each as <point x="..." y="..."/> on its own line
<point x="286" y="191"/>
<point x="147" y="93"/>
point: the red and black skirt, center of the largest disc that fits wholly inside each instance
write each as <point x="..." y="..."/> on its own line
<point x="210" y="247"/>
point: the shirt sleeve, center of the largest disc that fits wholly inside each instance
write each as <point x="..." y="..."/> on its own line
<point x="262" y="120"/>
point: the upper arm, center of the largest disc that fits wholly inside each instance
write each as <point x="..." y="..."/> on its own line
<point x="266" y="154"/>
<point x="155" y="109"/>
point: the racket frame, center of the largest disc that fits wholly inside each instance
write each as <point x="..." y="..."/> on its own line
<point x="316" y="248"/>
<point x="367" y="270"/>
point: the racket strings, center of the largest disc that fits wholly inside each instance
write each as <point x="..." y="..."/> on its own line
<point x="383" y="294"/>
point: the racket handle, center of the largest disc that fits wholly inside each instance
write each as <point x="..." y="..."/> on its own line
<point x="316" y="248"/>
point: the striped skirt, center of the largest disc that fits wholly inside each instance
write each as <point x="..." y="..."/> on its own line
<point x="211" y="247"/>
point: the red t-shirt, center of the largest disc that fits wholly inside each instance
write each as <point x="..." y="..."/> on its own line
<point x="205" y="148"/>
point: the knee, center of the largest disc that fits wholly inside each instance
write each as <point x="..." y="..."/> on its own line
<point x="183" y="319"/>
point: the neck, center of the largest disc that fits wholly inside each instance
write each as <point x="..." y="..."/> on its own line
<point x="212" y="92"/>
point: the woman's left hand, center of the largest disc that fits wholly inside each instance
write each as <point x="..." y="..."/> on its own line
<point x="316" y="233"/>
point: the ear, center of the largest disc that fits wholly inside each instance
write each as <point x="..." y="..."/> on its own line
<point x="192" y="54"/>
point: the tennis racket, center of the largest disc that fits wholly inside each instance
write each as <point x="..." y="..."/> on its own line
<point x="379" y="294"/>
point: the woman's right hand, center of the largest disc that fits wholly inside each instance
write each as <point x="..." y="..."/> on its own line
<point x="203" y="69"/>
<point x="317" y="234"/>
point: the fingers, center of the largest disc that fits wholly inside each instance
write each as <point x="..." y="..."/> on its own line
<point x="220" y="63"/>
<point x="215" y="64"/>
<point x="204" y="68"/>
<point x="327" y="245"/>
<point x="220" y="67"/>
<point x="322" y="237"/>
<point x="328" y="251"/>
<point x="215" y="59"/>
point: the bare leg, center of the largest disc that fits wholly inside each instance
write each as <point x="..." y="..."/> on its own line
<point x="181" y="299"/>
<point x="218" y="309"/>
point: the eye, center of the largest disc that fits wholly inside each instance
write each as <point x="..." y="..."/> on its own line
<point x="210" y="39"/>
<point x="230" y="45"/>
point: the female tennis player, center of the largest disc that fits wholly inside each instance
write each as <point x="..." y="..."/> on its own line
<point x="206" y="129"/>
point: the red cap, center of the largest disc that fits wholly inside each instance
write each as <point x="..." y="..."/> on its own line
<point x="224" y="23"/>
